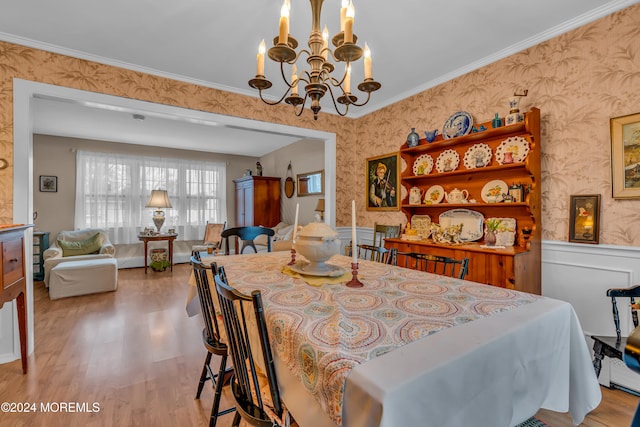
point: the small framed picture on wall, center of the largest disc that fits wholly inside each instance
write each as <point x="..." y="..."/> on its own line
<point x="383" y="181"/>
<point x="48" y="183"/>
<point x="584" y="218"/>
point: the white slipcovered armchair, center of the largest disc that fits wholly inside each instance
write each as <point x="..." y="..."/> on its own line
<point x="78" y="245"/>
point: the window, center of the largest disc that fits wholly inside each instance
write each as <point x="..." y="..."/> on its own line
<point x="112" y="190"/>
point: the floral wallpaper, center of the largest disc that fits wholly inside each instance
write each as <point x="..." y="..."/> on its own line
<point x="579" y="80"/>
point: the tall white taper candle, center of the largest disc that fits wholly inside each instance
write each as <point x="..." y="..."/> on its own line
<point x="354" y="245"/>
<point x="295" y="224"/>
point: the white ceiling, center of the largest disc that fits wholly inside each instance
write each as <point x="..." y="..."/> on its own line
<point x="415" y="45"/>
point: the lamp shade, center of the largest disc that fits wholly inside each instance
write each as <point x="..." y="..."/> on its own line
<point x="158" y="199"/>
<point x="320" y="205"/>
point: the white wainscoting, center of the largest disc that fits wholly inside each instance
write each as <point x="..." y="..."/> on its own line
<point x="581" y="274"/>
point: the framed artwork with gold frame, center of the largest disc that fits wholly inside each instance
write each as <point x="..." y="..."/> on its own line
<point x="625" y="156"/>
<point x="584" y="218"/>
<point x="383" y="183"/>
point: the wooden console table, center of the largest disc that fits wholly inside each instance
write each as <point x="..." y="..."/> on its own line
<point x="13" y="279"/>
<point x="168" y="237"/>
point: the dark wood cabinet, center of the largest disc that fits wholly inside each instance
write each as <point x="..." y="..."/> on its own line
<point x="517" y="267"/>
<point x="257" y="201"/>
<point x="13" y="279"/>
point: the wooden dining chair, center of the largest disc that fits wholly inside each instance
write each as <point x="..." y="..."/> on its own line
<point x="212" y="237"/>
<point x="247" y="235"/>
<point x="381" y="232"/>
<point x="434" y="264"/>
<point x="377" y="253"/>
<point x="611" y="346"/>
<point x="254" y="384"/>
<point x="212" y="342"/>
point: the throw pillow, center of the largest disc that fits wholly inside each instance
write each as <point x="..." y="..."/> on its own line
<point x="83" y="247"/>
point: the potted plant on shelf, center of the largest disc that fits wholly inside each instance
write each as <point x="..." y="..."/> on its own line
<point x="491" y="225"/>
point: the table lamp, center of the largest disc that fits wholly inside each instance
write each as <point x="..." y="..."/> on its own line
<point x="320" y="208"/>
<point x="158" y="199"/>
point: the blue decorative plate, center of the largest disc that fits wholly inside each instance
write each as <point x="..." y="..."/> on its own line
<point x="458" y="124"/>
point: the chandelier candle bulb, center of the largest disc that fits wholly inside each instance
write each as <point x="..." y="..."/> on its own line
<point x="348" y="24"/>
<point x="325" y="42"/>
<point x="343" y="13"/>
<point x="295" y="224"/>
<point x="261" y="50"/>
<point x="294" y="80"/>
<point x="354" y="246"/>
<point x="367" y="62"/>
<point x="284" y="23"/>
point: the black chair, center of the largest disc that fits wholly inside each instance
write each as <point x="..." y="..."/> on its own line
<point x="631" y="358"/>
<point x="247" y="235"/>
<point x="435" y="264"/>
<point x="256" y="401"/>
<point x="212" y="342"/>
<point x="382" y="232"/>
<point x="376" y="253"/>
<point x="614" y="346"/>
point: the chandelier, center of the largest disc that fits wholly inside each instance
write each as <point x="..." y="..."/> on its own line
<point x="319" y="79"/>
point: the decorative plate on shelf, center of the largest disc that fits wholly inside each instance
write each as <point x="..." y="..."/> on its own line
<point x="517" y="146"/>
<point x="447" y="161"/>
<point x="493" y="190"/>
<point x="458" y="124"/>
<point x="423" y="165"/>
<point x="472" y="223"/>
<point x="477" y="156"/>
<point x="422" y="223"/>
<point x="403" y="164"/>
<point x="434" y="195"/>
<point x="506" y="232"/>
<point x="403" y="192"/>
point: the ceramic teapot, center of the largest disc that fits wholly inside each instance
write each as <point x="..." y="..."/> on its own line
<point x="457" y="196"/>
<point x="415" y="196"/>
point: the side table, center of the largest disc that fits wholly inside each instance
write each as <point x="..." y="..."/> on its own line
<point x="146" y="239"/>
<point x="12" y="280"/>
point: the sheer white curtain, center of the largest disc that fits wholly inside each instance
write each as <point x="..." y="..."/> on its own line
<point x="112" y="189"/>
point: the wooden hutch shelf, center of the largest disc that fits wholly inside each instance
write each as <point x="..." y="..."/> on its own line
<point x="516" y="267"/>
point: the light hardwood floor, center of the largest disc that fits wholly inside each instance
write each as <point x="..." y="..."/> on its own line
<point x="138" y="355"/>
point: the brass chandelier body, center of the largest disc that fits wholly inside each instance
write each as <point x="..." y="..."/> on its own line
<point x="319" y="79"/>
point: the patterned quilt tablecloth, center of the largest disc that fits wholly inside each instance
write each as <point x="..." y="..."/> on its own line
<point x="322" y="332"/>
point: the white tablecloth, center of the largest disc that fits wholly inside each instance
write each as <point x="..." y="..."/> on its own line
<point x="494" y="371"/>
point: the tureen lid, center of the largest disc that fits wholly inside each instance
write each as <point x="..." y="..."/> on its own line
<point x="317" y="229"/>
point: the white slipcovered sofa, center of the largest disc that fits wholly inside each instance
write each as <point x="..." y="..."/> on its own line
<point x="78" y="246"/>
<point x="281" y="240"/>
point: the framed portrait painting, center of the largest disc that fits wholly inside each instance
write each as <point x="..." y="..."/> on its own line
<point x="584" y="218"/>
<point x="383" y="183"/>
<point x="625" y="156"/>
<point x="48" y="184"/>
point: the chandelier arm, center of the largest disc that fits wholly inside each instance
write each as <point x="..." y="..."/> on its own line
<point x="363" y="103"/>
<point x="299" y="113"/>
<point x="284" y="78"/>
<point x="335" y="105"/>
<point x="276" y="102"/>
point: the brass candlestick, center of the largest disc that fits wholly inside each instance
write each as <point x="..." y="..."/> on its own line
<point x="354" y="282"/>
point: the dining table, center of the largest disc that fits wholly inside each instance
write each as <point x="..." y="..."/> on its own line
<point x="412" y="348"/>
